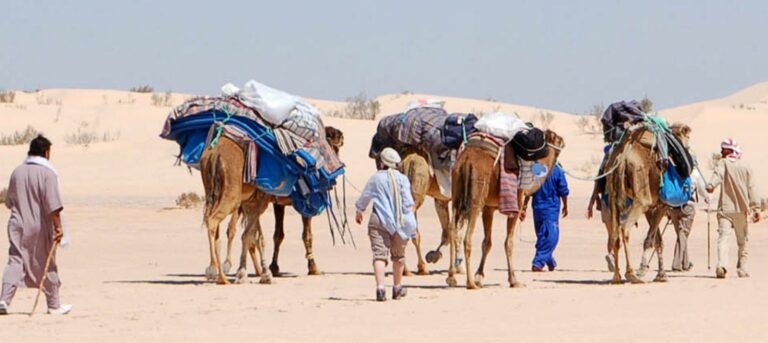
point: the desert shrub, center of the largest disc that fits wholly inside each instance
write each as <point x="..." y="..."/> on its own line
<point x="19" y="137"/>
<point x="85" y="136"/>
<point x="543" y="119"/>
<point x="7" y="97"/>
<point x="162" y="100"/>
<point x="589" y="122"/>
<point x="142" y="89"/>
<point x="358" y="107"/>
<point x="129" y="100"/>
<point x="189" y="200"/>
<point x="46" y="100"/>
<point x="646" y="105"/>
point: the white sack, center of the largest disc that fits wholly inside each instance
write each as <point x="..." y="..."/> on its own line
<point x="501" y="125"/>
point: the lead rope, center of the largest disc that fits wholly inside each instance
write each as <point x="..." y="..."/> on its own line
<point x="344" y="195"/>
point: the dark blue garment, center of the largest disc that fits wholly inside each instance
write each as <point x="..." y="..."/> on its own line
<point x="546" y="214"/>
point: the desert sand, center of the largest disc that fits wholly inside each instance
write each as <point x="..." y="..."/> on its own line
<point x="135" y="268"/>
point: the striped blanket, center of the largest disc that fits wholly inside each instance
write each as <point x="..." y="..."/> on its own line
<point x="420" y="127"/>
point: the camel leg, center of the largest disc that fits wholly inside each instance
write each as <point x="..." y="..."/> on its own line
<point x="266" y="276"/>
<point x="661" y="275"/>
<point x="306" y="236"/>
<point x="468" y="246"/>
<point x="421" y="267"/>
<point x="509" y="245"/>
<point x="634" y="213"/>
<point x="458" y="259"/>
<point x="616" y="240"/>
<point x="231" y="231"/>
<point x="215" y="269"/>
<point x="453" y="244"/>
<point x="277" y="238"/>
<point x="649" y="244"/>
<point x="247" y="242"/>
<point x="444" y="214"/>
<point x="487" y="231"/>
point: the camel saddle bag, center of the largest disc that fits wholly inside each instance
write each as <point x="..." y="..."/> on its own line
<point x="510" y="159"/>
<point x="530" y="145"/>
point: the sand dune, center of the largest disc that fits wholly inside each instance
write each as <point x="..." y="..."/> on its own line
<point x="135" y="270"/>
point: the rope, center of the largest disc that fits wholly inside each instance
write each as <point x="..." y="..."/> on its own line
<point x="219" y="126"/>
<point x="598" y="177"/>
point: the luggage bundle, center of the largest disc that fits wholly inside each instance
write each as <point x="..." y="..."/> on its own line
<point x="283" y="139"/>
<point x="523" y="141"/>
<point x="618" y="116"/>
<point x="676" y="182"/>
<point x="427" y="127"/>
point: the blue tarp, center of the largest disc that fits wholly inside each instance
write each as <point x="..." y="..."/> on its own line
<point x="295" y="175"/>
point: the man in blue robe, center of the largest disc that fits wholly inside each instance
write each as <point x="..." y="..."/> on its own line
<point x="546" y="213"/>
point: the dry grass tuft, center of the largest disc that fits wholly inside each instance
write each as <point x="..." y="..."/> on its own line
<point x="19" y="137"/>
<point x="7" y="97"/>
<point x="142" y="89"/>
<point x="3" y="194"/>
<point x="85" y="135"/>
<point x="162" y="100"/>
<point x="358" y="107"/>
<point x="189" y="200"/>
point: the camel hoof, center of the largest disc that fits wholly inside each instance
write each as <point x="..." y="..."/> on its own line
<point x="242" y="276"/>
<point x="422" y="270"/>
<point x="266" y="279"/>
<point x="222" y="281"/>
<point x="211" y="274"/>
<point x="433" y="256"/>
<point x="516" y="284"/>
<point x="274" y="269"/>
<point x="312" y="268"/>
<point x="451" y="281"/>
<point x="479" y="280"/>
<point x="609" y="262"/>
<point x="472" y="285"/>
<point x="633" y="278"/>
<point x="617" y="280"/>
<point x="227" y="266"/>
<point x="661" y="277"/>
<point x="642" y="270"/>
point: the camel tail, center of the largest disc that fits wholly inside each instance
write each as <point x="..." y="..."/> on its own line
<point x="215" y="175"/>
<point x="462" y="195"/>
<point x="618" y="196"/>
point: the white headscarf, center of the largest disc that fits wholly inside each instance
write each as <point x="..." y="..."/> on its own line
<point x="390" y="158"/>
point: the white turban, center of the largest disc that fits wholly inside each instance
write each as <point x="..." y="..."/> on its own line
<point x="390" y="158"/>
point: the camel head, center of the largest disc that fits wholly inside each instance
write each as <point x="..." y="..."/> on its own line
<point x="682" y="132"/>
<point x="335" y="138"/>
<point x="555" y="141"/>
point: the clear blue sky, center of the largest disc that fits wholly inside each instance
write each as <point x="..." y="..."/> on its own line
<point x="560" y="54"/>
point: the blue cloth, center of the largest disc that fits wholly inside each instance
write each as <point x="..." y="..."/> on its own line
<point x="377" y="190"/>
<point x="546" y="214"/>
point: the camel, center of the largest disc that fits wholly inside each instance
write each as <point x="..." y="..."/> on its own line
<point x="222" y="169"/>
<point x="476" y="179"/>
<point x="654" y="240"/>
<point x="424" y="184"/>
<point x="635" y="174"/>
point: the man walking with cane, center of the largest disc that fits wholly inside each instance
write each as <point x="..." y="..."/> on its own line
<point x="34" y="228"/>
<point x="738" y="198"/>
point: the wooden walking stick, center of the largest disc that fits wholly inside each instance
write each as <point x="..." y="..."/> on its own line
<point x="45" y="275"/>
<point x="709" y="241"/>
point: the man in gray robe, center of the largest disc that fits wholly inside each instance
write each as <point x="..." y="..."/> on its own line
<point x="34" y="227"/>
